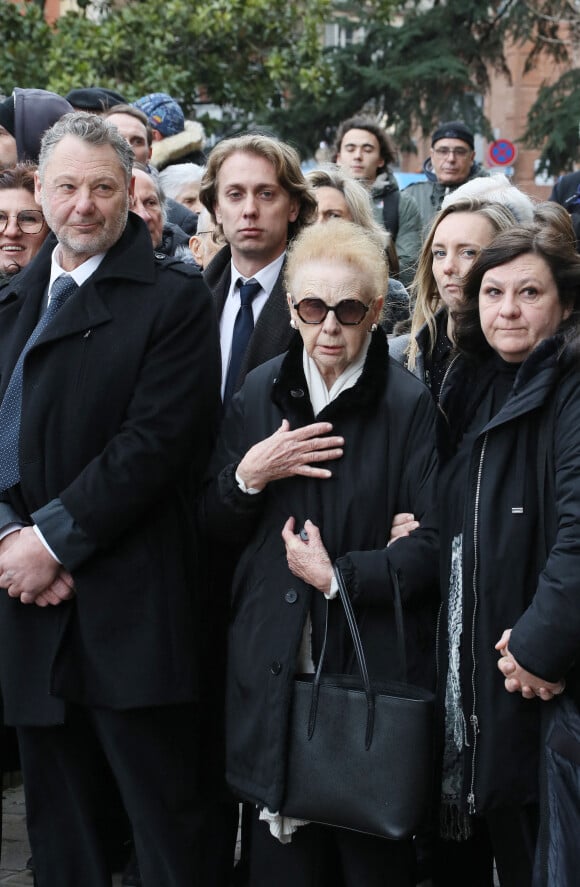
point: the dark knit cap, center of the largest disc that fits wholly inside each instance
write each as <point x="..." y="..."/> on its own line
<point x="453" y="129"/>
<point x="94" y="98"/>
<point x="7" y="114"/>
<point x="35" y="111"/>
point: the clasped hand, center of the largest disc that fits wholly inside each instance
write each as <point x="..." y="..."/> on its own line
<point x="29" y="572"/>
<point x="287" y="453"/>
<point x="518" y="680"/>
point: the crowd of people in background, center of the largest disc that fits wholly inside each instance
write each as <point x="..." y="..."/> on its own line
<point x="223" y="381"/>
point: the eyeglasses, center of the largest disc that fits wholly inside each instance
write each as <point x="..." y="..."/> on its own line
<point x="348" y="312"/>
<point x="445" y="152"/>
<point x="30" y="221"/>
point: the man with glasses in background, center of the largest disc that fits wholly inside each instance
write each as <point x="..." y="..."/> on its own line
<point x="451" y="163"/>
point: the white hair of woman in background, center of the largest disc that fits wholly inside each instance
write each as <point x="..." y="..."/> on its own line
<point x="495" y="189"/>
<point x="181" y="182"/>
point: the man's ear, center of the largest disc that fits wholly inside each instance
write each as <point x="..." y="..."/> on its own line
<point x="37" y="187"/>
<point x="195" y="248"/>
<point x="294" y="211"/>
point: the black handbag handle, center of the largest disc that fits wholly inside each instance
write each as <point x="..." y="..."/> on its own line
<point x="359" y="651"/>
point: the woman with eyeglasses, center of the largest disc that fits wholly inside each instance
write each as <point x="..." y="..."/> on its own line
<point x="319" y="449"/>
<point x="22" y="225"/>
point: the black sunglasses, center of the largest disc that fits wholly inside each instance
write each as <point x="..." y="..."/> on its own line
<point x="348" y="312"/>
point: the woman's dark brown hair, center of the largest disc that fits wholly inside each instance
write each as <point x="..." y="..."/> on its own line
<point x="550" y="236"/>
<point x="19" y="176"/>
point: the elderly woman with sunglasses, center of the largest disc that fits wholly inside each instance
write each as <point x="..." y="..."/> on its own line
<point x="318" y="451"/>
<point x="22" y="226"/>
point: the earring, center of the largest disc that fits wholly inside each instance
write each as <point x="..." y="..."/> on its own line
<point x="374" y="327"/>
<point x="293" y="324"/>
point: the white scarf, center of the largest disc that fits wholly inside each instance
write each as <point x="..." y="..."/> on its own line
<point x="320" y="395"/>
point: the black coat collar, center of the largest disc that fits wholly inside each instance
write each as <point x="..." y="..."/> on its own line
<point x="290" y="392"/>
<point x="467" y="382"/>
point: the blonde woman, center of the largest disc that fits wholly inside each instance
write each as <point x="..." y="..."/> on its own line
<point x="456" y="238"/>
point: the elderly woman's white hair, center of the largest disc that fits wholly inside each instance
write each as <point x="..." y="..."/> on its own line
<point x="175" y="177"/>
<point x="495" y="189"/>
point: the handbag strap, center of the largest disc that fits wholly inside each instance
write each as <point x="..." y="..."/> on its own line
<point x="359" y="651"/>
<point x="399" y="623"/>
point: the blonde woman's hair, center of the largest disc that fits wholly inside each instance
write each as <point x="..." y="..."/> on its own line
<point x="356" y="196"/>
<point x="424" y="290"/>
<point x="341" y="241"/>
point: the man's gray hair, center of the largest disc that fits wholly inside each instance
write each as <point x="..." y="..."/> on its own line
<point x="156" y="179"/>
<point x="92" y="129"/>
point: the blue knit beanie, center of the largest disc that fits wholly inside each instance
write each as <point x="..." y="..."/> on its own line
<point x="163" y="112"/>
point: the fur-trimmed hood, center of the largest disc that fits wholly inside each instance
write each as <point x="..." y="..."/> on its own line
<point x="172" y="149"/>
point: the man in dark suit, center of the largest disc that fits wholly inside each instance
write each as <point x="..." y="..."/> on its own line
<point x="255" y="191"/>
<point x="254" y="188"/>
<point x="108" y="413"/>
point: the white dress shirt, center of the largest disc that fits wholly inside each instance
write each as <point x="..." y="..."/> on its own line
<point x="267" y="278"/>
<point x="79" y="275"/>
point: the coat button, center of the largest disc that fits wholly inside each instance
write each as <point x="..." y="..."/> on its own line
<point x="291" y="596"/>
<point x="276" y="667"/>
<point x="297" y="392"/>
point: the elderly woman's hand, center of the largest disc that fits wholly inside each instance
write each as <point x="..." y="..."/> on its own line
<point x="307" y="557"/>
<point x="403" y="525"/>
<point x="287" y="453"/>
<point x="518" y="680"/>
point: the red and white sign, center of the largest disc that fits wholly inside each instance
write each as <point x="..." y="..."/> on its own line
<point x="501" y="153"/>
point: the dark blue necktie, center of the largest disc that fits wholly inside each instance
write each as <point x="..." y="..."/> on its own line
<point x="11" y="406"/>
<point x="243" y="328"/>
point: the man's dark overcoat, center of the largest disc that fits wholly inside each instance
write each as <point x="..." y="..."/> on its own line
<point x="119" y="404"/>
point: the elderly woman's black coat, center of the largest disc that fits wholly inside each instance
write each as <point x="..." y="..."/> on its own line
<point x="389" y="466"/>
<point x="521" y="563"/>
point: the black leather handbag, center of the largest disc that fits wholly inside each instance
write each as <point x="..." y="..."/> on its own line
<point x="360" y="753"/>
